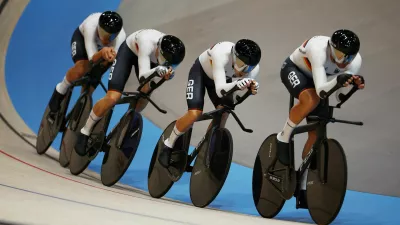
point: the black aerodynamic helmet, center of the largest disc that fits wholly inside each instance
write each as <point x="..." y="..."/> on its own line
<point x="345" y="41"/>
<point x="111" y="22"/>
<point x="172" y="49"/>
<point x="248" y="51"/>
<point x="246" y="54"/>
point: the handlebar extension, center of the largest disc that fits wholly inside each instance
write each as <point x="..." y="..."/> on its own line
<point x="333" y="120"/>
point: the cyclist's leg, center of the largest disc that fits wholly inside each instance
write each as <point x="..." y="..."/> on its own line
<point x="312" y="137"/>
<point x="195" y="100"/>
<point x="118" y="77"/>
<point x="81" y="65"/>
<point x="322" y="110"/>
<point x="302" y="88"/>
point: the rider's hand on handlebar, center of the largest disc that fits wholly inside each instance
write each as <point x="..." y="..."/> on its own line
<point x="170" y="74"/>
<point x="108" y="54"/>
<point x="344" y="79"/>
<point x="254" y="87"/>
<point x="165" y="72"/>
<point x="359" y="81"/>
<point x="244" y="83"/>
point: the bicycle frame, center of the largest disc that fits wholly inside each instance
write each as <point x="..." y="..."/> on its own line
<point x="216" y="117"/>
<point x="315" y="123"/>
<point x="319" y="125"/>
<point x="132" y="98"/>
<point x="86" y="79"/>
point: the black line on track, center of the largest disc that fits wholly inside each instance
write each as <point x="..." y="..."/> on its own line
<point x="15" y="131"/>
<point x="93" y="205"/>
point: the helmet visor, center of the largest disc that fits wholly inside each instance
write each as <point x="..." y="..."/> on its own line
<point x="161" y="59"/>
<point x="339" y="56"/>
<point x="163" y="62"/>
<point x="105" y="35"/>
<point x="239" y="65"/>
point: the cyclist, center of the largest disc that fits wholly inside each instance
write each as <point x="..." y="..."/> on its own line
<point x="149" y="51"/>
<point x="213" y="70"/>
<point x="98" y="36"/>
<point x="305" y="74"/>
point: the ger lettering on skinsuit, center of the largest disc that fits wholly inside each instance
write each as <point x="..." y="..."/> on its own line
<point x="189" y="89"/>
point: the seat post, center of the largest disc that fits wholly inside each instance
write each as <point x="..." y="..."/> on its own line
<point x="133" y="103"/>
<point x="216" y="120"/>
